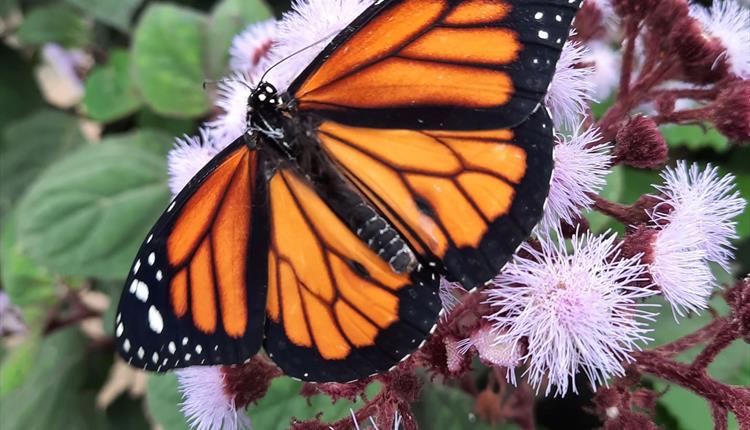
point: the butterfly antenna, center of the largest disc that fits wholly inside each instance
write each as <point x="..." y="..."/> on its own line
<point x="207" y="82"/>
<point x="297" y="52"/>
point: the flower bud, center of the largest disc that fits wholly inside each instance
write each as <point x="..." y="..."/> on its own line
<point x="639" y="144"/>
<point x="731" y="112"/>
<point x="700" y="54"/>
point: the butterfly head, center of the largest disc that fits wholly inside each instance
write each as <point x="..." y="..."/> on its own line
<point x="263" y="97"/>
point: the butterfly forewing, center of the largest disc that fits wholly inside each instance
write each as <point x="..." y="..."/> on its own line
<point x="439" y="64"/>
<point x="194" y="295"/>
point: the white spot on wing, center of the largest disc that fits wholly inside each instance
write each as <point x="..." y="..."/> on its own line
<point x="172" y="347"/>
<point x="155" y="357"/>
<point x="543" y="35"/>
<point x="158" y="275"/>
<point x="126" y="345"/>
<point x="184" y="341"/>
<point x="141" y="352"/>
<point x="155" y="321"/>
<point x="151" y="259"/>
<point x="141" y="290"/>
<point x="119" y="330"/>
<point x="136" y="266"/>
<point x="198" y="349"/>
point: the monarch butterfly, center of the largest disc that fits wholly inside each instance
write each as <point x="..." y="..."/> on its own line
<point x="414" y="146"/>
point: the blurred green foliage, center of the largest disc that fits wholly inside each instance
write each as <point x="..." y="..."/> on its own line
<point x="74" y="208"/>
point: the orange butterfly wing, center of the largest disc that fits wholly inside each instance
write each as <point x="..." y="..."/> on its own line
<point x="465" y="199"/>
<point x="438" y="64"/>
<point x="336" y="310"/>
<point x="191" y="297"/>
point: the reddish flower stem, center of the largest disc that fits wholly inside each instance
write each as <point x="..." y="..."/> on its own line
<point x="726" y="397"/>
<point x="693" y="339"/>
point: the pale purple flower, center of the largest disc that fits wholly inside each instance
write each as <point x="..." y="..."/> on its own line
<point x="11" y="319"/>
<point x="729" y="22"/>
<point x="248" y="54"/>
<point x="570" y="91"/>
<point x="679" y="268"/>
<point x="206" y="403"/>
<point x="706" y="201"/>
<point x="577" y="311"/>
<point x="304" y="31"/>
<point x="233" y="96"/>
<point x="582" y="163"/>
<point x="606" y="76"/>
<point x="188" y="156"/>
<point x="609" y="17"/>
<point x="448" y="294"/>
<point x="492" y="352"/>
<point x="373" y="425"/>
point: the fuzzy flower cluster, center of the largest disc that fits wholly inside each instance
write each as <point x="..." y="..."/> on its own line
<point x="574" y="310"/>
<point x="695" y="220"/>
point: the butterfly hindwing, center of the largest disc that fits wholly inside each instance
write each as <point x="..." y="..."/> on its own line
<point x="336" y="310"/>
<point x="438" y="64"/>
<point x="195" y="294"/>
<point x="465" y="199"/>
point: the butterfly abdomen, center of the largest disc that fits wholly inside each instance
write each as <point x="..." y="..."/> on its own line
<point x="382" y="238"/>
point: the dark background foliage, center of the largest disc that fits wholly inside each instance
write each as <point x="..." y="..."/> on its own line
<point x="83" y="181"/>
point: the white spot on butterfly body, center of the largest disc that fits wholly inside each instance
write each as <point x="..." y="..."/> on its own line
<point x="262" y="97"/>
<point x="126" y="345"/>
<point x="155" y="321"/>
<point x="558" y="18"/>
<point x="136" y="266"/>
<point x="151" y="259"/>
<point x="543" y="35"/>
<point x="172" y="347"/>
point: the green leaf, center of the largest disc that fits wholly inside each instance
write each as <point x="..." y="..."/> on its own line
<point x="28" y="286"/>
<point x="612" y="192"/>
<point x="58" y="392"/>
<point x="156" y="141"/>
<point x="18" y="363"/>
<point x="147" y="118"/>
<point x="56" y="23"/>
<point x="31" y="144"/>
<point x="116" y="13"/>
<point x="168" y="52"/>
<point x="442" y="407"/>
<point x="164" y="400"/>
<point x="110" y="93"/>
<point x="22" y="97"/>
<point x="695" y="137"/>
<point x="87" y="213"/>
<point x="227" y="20"/>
